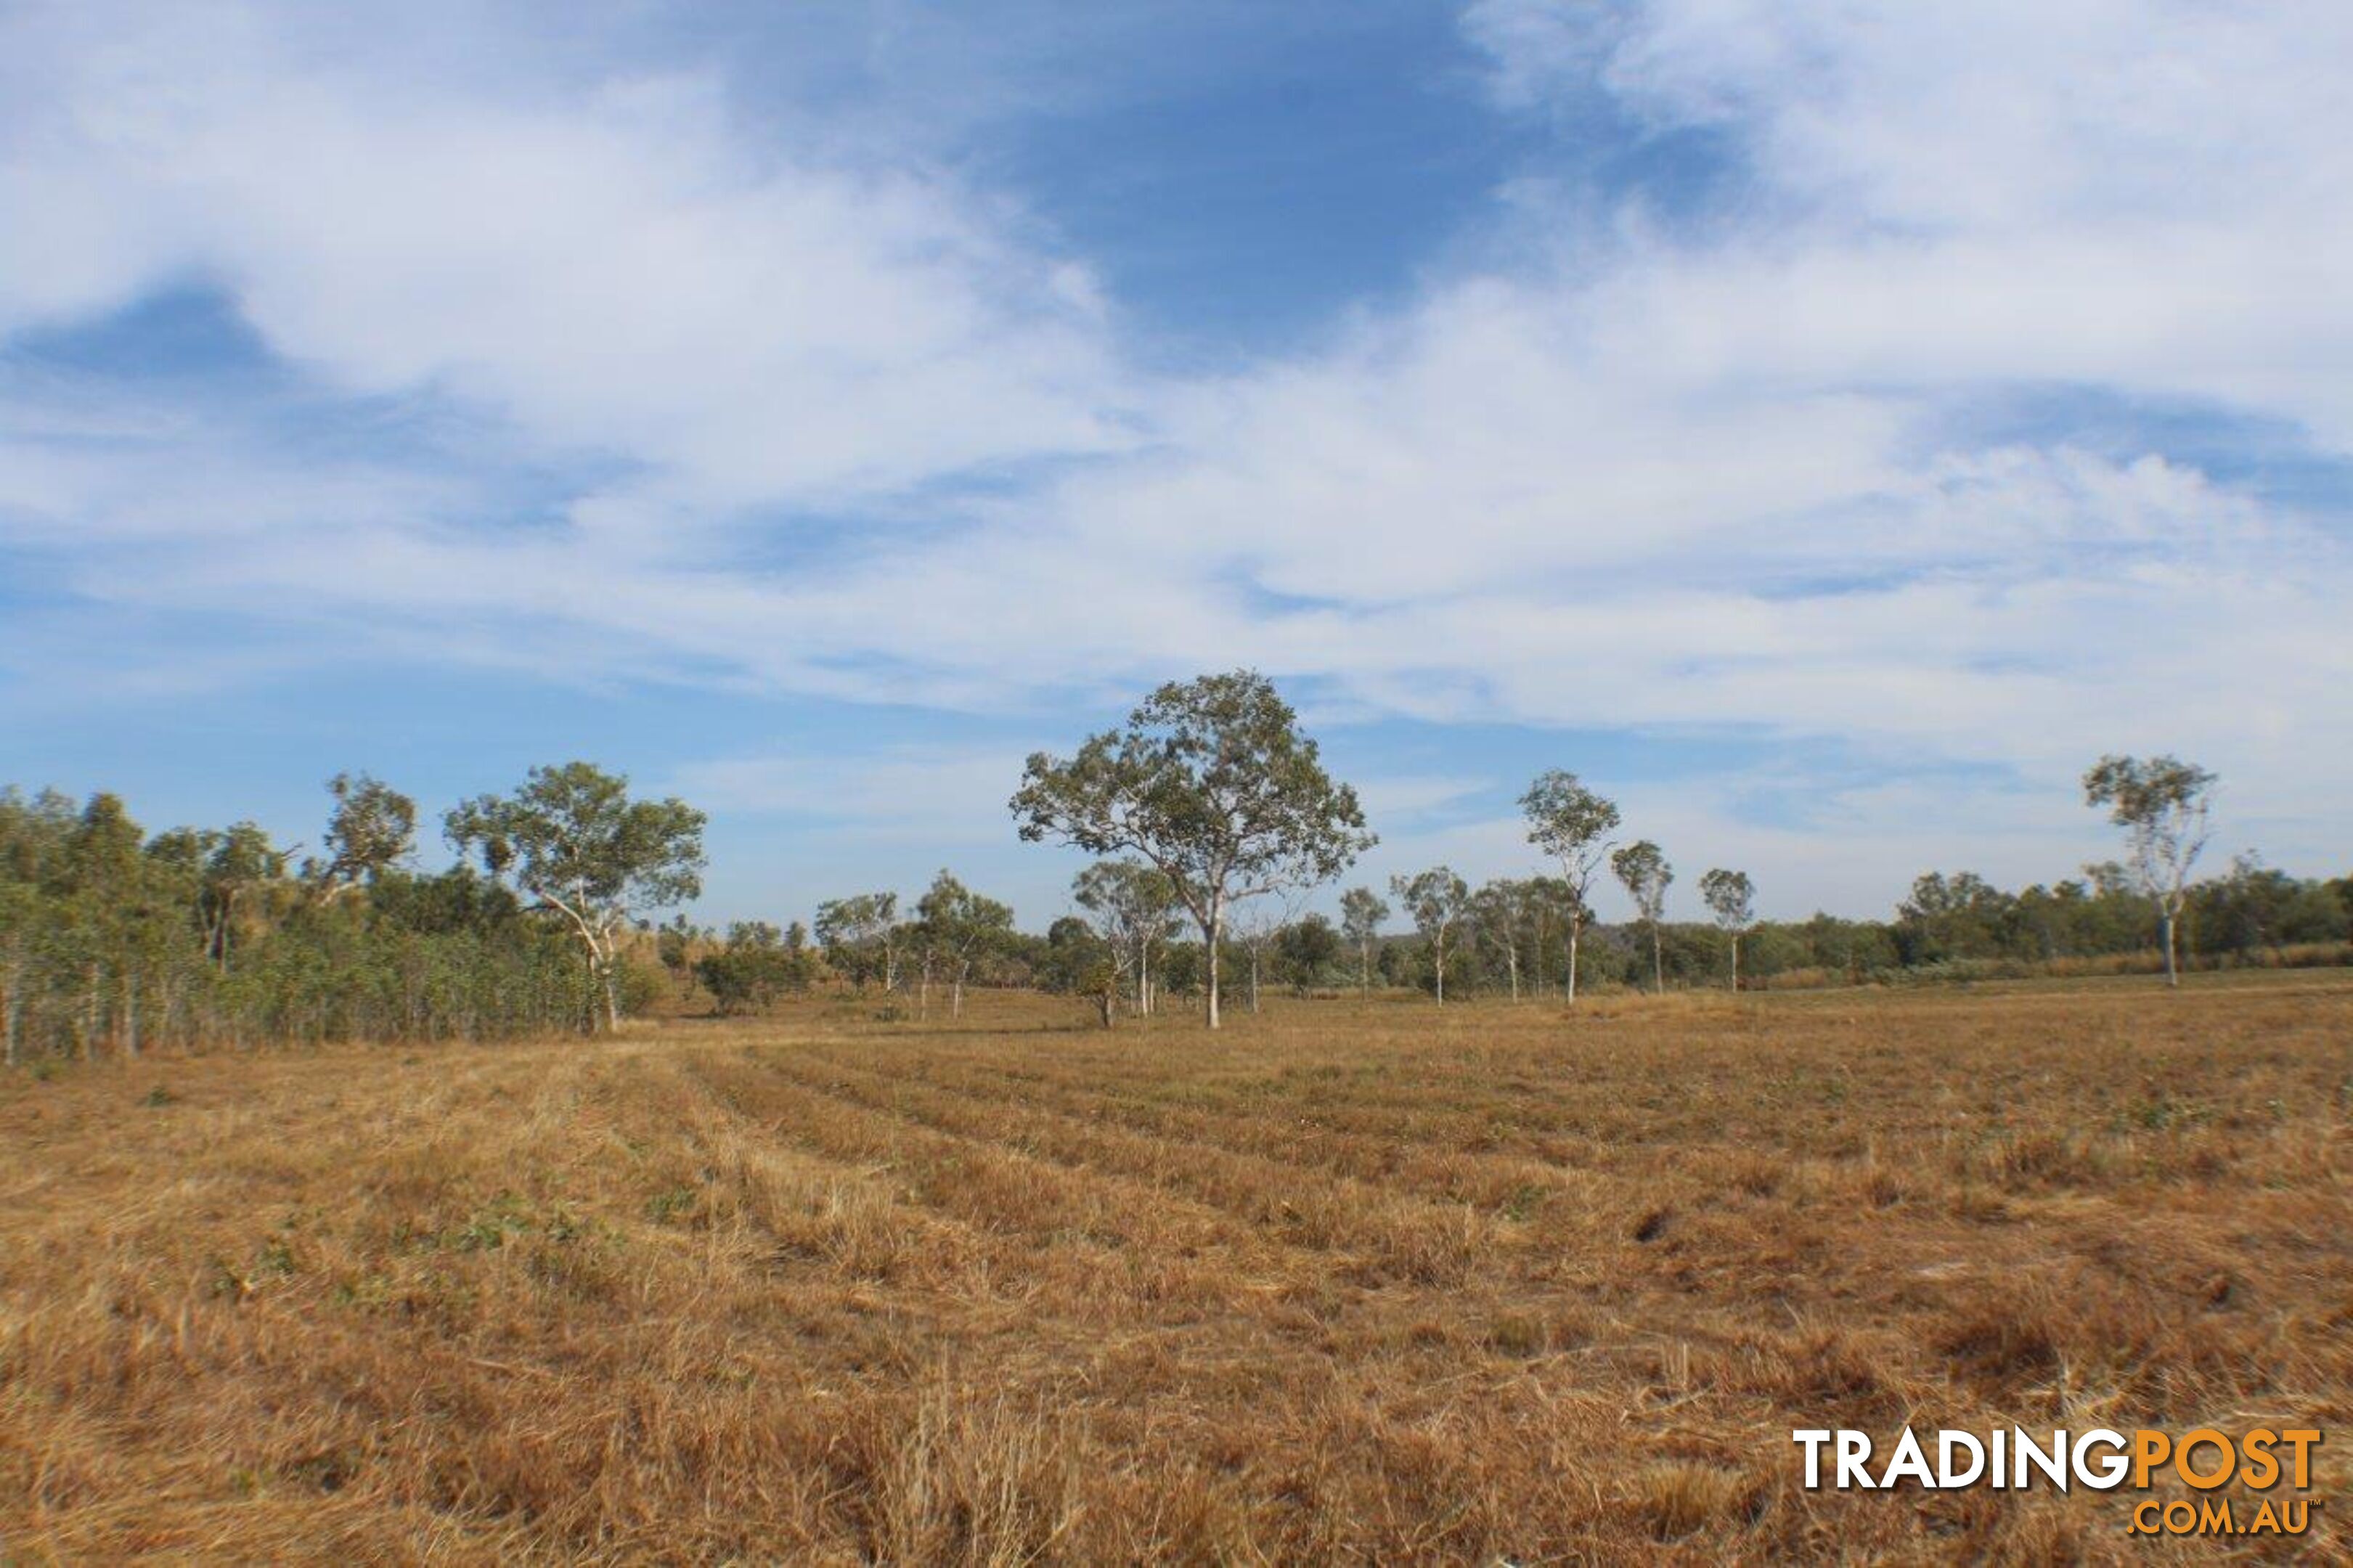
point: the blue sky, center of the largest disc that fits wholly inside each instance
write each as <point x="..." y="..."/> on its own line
<point x="1825" y="433"/>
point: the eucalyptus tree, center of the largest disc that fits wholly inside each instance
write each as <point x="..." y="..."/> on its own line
<point x="1731" y="897"/>
<point x="1549" y="907"/>
<point x="1212" y="782"/>
<point x="1134" y="908"/>
<point x="240" y="864"/>
<point x="958" y="925"/>
<point x="2161" y="803"/>
<point x="859" y="937"/>
<point x="1436" y="901"/>
<point x="1093" y="954"/>
<point x="1362" y="911"/>
<point x="572" y="839"/>
<point x="1643" y="868"/>
<point x="371" y="829"/>
<point x="1258" y="931"/>
<point x="1499" y="921"/>
<point x="1572" y="824"/>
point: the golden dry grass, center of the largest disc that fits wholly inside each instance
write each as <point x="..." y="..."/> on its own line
<point x="1347" y="1283"/>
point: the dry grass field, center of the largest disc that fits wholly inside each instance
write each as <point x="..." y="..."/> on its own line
<point x="1364" y="1283"/>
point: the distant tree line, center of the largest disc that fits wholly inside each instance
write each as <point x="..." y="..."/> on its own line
<point x="1213" y="820"/>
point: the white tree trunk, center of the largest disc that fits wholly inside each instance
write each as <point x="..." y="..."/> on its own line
<point x="1211" y="930"/>
<point x="1576" y="924"/>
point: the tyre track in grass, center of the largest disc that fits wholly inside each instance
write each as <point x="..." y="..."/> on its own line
<point x="1411" y="1164"/>
<point x="1079" y="1247"/>
<point x="832" y="1118"/>
<point x="1421" y="1242"/>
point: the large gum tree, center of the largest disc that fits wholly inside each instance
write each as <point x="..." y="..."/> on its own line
<point x="1213" y="784"/>
<point x="573" y="839"/>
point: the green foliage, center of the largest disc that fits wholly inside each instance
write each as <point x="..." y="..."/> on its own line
<point x="1073" y="952"/>
<point x="1571" y="824"/>
<point x="1134" y="909"/>
<point x="1436" y="901"/>
<point x="112" y="942"/>
<point x="1306" y="950"/>
<point x="858" y="936"/>
<point x="1362" y="911"/>
<point x="1644" y="872"/>
<point x="1730" y="897"/>
<point x="1642" y="868"/>
<point x="957" y="927"/>
<point x="757" y="966"/>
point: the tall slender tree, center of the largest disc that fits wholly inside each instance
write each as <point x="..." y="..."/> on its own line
<point x="1572" y="824"/>
<point x="1500" y="919"/>
<point x="1435" y="900"/>
<point x="2161" y="803"/>
<point x="1731" y="897"/>
<point x="1643" y="870"/>
<point x="1362" y="911"/>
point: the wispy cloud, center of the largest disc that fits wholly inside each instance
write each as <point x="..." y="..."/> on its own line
<point x="835" y="415"/>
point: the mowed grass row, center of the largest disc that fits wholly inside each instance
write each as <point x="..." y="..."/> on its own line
<point x="1351" y="1282"/>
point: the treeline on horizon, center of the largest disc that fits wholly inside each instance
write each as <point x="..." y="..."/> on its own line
<point x="1508" y="943"/>
<point x="113" y="939"/>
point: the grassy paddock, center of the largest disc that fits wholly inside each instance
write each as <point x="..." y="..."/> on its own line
<point x="1367" y="1282"/>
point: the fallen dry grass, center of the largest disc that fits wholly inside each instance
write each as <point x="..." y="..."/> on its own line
<point x="1347" y="1283"/>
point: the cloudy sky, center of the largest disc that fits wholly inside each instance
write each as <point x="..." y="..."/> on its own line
<point x="1825" y="428"/>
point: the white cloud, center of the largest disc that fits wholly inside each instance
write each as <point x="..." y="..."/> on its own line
<point x="607" y="271"/>
<point x="1671" y="475"/>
